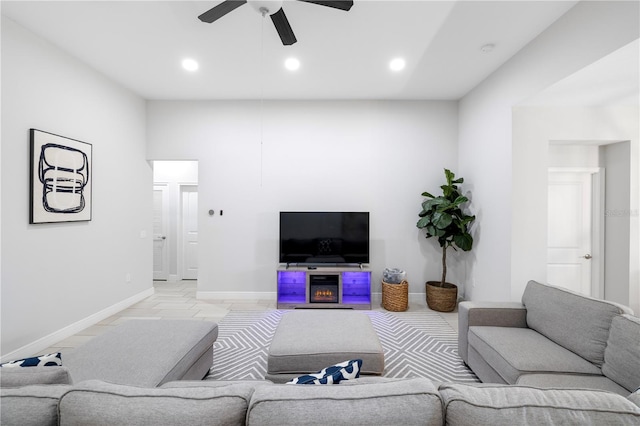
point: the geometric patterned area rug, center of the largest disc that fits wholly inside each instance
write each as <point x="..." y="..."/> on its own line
<point x="415" y="344"/>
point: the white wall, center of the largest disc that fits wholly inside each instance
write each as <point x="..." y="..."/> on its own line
<point x="59" y="278"/>
<point x="497" y="164"/>
<point x="341" y="156"/>
<point x="533" y="129"/>
<point x="620" y="213"/>
<point x="567" y="154"/>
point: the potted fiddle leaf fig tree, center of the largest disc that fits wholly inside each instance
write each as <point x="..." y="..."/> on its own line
<point x="442" y="217"/>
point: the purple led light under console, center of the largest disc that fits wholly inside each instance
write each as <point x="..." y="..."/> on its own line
<point x="356" y="287"/>
<point x="303" y="287"/>
<point x="292" y="286"/>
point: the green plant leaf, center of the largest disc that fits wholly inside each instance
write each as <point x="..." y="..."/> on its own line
<point x="460" y="199"/>
<point x="463" y="241"/>
<point x="430" y="204"/>
<point x="426" y="194"/>
<point x="423" y="222"/>
<point x="448" y="174"/>
<point x="465" y="220"/>
<point x="441" y="220"/>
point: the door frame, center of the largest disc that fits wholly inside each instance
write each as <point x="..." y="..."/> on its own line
<point x="181" y="190"/>
<point x="597" y="223"/>
<point x="166" y="211"/>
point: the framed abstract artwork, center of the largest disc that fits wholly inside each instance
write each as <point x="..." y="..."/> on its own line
<point x="60" y="179"/>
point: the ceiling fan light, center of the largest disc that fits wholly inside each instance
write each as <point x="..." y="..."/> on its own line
<point x="266" y="7"/>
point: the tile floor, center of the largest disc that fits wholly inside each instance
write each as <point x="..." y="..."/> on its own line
<point x="178" y="300"/>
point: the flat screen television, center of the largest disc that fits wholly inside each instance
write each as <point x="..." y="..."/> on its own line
<point x="324" y="237"/>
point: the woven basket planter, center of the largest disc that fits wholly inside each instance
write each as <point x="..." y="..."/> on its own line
<point x="395" y="297"/>
<point x="441" y="299"/>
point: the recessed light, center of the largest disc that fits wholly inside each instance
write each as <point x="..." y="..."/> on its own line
<point x="397" y="64"/>
<point x="292" y="64"/>
<point x="190" y="65"/>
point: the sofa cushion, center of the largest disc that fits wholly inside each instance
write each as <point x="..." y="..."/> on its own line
<point x="576" y="322"/>
<point x="98" y="403"/>
<point x="31" y="405"/>
<point x="472" y="405"/>
<point x="622" y="355"/>
<point x="512" y="351"/>
<point x="576" y="381"/>
<point x="149" y="352"/>
<point x="15" y="377"/>
<point x="409" y="402"/>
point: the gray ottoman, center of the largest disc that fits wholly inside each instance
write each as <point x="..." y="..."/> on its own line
<point x="307" y="341"/>
<point x="146" y="353"/>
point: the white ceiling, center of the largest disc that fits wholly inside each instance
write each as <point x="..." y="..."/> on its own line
<point x="613" y="80"/>
<point x="344" y="55"/>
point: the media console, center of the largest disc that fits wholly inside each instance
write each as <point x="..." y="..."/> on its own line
<point x="324" y="287"/>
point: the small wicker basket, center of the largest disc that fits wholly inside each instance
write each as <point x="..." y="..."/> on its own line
<point x="395" y="297"/>
<point x="441" y="299"/>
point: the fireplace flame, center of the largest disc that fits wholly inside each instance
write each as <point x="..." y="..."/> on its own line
<point x="323" y="294"/>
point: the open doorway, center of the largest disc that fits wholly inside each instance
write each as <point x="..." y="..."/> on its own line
<point x="175" y="220"/>
<point x="589" y="234"/>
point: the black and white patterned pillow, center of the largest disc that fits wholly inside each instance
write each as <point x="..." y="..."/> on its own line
<point x="331" y="375"/>
<point x="46" y="360"/>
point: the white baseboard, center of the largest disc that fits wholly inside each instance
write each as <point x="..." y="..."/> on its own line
<point x="172" y="278"/>
<point x="236" y="295"/>
<point x="37" y="346"/>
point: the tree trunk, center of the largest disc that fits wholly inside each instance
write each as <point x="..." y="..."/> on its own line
<point x="444" y="265"/>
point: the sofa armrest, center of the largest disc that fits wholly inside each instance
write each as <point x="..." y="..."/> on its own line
<point x="495" y="314"/>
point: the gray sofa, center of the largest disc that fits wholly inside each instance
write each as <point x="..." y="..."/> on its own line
<point x="364" y="401"/>
<point x="554" y="338"/>
<point x="56" y="396"/>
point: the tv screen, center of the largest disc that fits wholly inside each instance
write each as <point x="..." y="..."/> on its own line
<point x="324" y="237"/>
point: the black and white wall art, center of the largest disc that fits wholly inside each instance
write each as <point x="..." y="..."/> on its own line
<point x="60" y="179"/>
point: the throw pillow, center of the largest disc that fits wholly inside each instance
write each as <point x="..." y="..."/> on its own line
<point x="334" y="374"/>
<point x="36" y="361"/>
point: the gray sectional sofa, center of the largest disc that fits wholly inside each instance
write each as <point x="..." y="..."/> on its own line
<point x="55" y="396"/>
<point x="365" y="401"/>
<point x="554" y="338"/>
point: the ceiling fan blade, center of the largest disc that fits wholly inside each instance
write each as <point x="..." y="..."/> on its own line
<point x="285" y="32"/>
<point x="336" y="4"/>
<point x="220" y="10"/>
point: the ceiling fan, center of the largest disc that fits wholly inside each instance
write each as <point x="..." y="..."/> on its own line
<point x="274" y="9"/>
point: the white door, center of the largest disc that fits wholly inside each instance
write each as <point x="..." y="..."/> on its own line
<point x="160" y="228"/>
<point x="189" y="232"/>
<point x="569" y="250"/>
